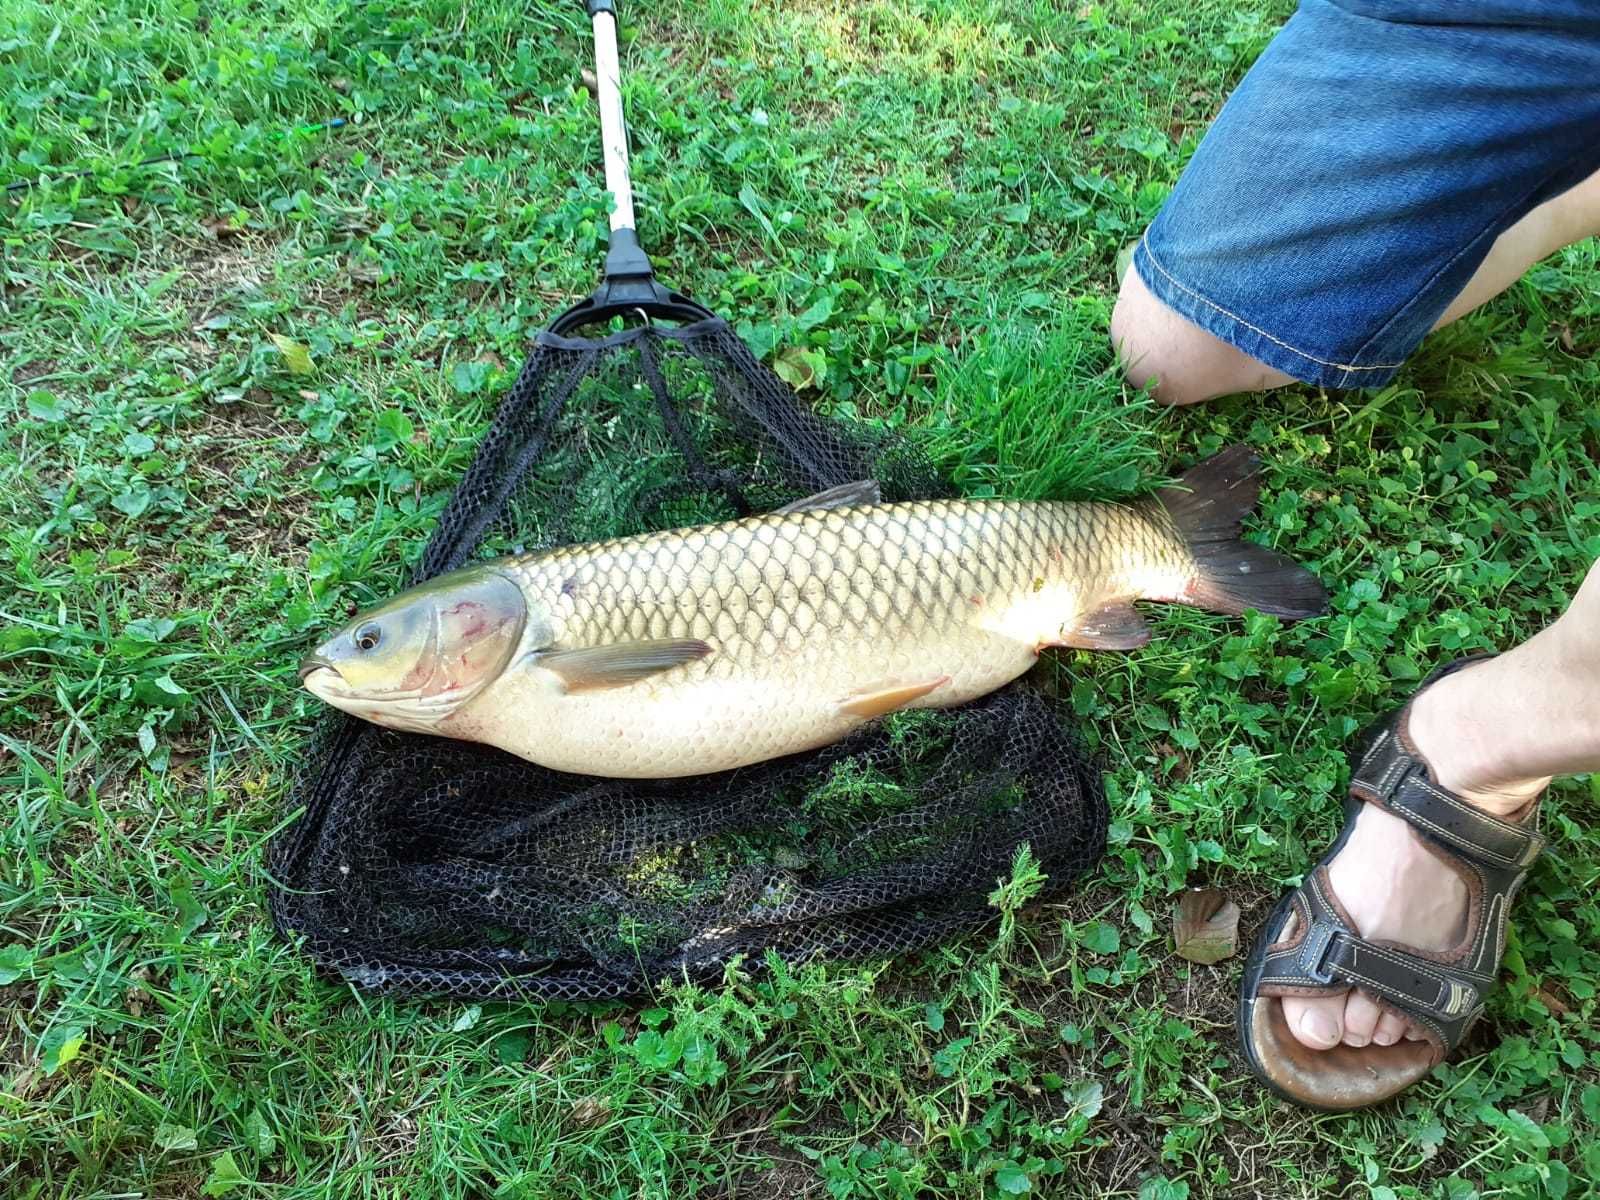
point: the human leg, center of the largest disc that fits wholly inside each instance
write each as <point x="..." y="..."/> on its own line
<point x="1184" y="364"/>
<point x="1374" y="969"/>
<point x="1375" y="175"/>
<point x="1494" y="735"/>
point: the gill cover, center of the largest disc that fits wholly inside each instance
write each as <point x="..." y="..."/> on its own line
<point x="413" y="661"/>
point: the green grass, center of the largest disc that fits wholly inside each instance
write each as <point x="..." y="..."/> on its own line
<point x="919" y="204"/>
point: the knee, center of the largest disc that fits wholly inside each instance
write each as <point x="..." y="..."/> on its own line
<point x="1183" y="363"/>
<point x="1576" y="213"/>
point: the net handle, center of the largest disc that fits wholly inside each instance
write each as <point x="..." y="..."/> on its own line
<point x="613" y="129"/>
<point x="629" y="287"/>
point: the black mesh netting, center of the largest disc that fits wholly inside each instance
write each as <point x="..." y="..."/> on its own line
<point x="422" y="864"/>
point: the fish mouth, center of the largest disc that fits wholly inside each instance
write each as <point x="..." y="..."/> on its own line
<point x="312" y="663"/>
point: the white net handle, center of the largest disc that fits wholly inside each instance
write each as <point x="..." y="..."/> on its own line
<point x="613" y="129"/>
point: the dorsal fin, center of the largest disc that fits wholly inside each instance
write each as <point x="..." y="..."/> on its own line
<point x="846" y="495"/>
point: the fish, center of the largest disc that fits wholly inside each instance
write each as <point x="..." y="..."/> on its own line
<point x="704" y="649"/>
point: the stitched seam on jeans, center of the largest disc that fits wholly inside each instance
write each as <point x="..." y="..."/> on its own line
<point x="1232" y="316"/>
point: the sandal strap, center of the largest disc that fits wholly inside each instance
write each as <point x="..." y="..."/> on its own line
<point x="1394" y="779"/>
<point x="1325" y="955"/>
<point x="1419" y="986"/>
<point x="1443" y="997"/>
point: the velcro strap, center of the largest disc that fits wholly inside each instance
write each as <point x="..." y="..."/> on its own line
<point x="1400" y="783"/>
<point x="1411" y="983"/>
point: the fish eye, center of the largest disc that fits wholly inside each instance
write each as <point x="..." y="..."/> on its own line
<point x="368" y="636"/>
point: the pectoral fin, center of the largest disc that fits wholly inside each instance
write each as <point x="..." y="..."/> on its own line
<point x="595" y="667"/>
<point x="1114" y="626"/>
<point x="877" y="701"/>
<point x="846" y="495"/>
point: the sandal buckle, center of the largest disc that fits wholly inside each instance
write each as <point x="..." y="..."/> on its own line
<point x="1314" y="953"/>
<point x="1532" y="850"/>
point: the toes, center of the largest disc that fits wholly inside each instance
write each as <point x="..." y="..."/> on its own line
<point x="1390" y="1029"/>
<point x="1361" y="1017"/>
<point x="1315" y="1021"/>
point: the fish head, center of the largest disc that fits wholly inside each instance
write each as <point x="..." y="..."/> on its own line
<point x="412" y="662"/>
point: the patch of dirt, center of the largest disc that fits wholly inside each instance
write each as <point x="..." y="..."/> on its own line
<point x="26" y="373"/>
<point x="215" y="269"/>
<point x="254" y="415"/>
<point x="392" y="1142"/>
<point x="789" y="1178"/>
<point x="252" y="433"/>
<point x="21" y="1075"/>
<point x="177" y="1187"/>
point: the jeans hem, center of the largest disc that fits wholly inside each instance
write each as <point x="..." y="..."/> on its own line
<point x="1251" y="339"/>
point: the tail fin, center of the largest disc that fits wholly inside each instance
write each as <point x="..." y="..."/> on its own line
<point x="1231" y="574"/>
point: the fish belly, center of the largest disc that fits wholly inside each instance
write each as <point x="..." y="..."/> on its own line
<point x="698" y="722"/>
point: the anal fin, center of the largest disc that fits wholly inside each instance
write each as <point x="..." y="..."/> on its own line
<point x="878" y="700"/>
<point x="1113" y="626"/>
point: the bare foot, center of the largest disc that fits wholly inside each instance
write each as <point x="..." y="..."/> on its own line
<point x="1392" y="883"/>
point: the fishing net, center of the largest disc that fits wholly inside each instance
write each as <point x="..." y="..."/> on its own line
<point x="428" y="865"/>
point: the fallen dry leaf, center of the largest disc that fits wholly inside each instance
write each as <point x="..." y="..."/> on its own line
<point x="798" y="367"/>
<point x="1554" y="1004"/>
<point x="1205" y="926"/>
<point x="218" y="228"/>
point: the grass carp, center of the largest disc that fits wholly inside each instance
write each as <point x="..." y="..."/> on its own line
<point x="703" y="649"/>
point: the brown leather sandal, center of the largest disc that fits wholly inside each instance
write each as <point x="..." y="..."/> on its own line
<point x="1441" y="992"/>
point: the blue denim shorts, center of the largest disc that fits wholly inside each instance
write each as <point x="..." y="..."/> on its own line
<point x="1363" y="168"/>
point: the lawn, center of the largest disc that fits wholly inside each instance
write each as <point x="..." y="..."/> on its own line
<point x="238" y="386"/>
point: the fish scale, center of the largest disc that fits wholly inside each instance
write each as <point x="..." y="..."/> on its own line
<point x="809" y="609"/>
<point x="696" y="650"/>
